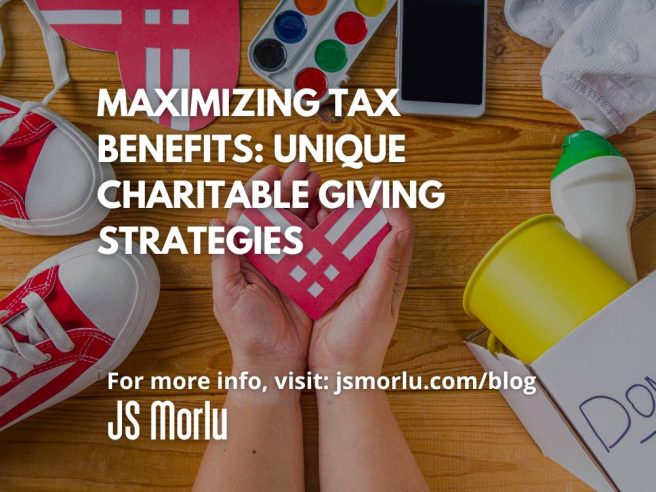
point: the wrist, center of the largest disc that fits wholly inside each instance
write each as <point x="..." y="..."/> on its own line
<point x="267" y="367"/>
<point x="348" y="397"/>
<point x="271" y="398"/>
<point x="354" y="382"/>
<point x="364" y="362"/>
<point x="257" y="384"/>
<point x="359" y="368"/>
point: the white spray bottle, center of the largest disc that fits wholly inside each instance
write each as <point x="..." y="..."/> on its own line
<point x="593" y="191"/>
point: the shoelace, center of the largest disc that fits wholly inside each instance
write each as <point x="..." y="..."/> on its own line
<point x="58" y="69"/>
<point x="21" y="357"/>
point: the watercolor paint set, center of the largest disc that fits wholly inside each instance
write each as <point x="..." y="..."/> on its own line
<point x="311" y="44"/>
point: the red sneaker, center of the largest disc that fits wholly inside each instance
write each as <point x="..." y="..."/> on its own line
<point x="49" y="175"/>
<point x="75" y="318"/>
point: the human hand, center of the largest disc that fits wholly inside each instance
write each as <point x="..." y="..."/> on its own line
<point x="268" y="333"/>
<point x="353" y="336"/>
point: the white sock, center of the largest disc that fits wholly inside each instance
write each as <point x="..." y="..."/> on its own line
<point x="603" y="68"/>
<point x="543" y="21"/>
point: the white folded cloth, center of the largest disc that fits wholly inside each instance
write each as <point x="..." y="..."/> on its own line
<point x="602" y="66"/>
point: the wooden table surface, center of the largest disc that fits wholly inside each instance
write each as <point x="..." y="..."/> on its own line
<point x="496" y="173"/>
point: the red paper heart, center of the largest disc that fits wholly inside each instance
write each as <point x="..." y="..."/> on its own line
<point x="160" y="43"/>
<point x="335" y="254"/>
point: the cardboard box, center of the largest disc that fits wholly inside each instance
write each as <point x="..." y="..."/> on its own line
<point x="595" y="409"/>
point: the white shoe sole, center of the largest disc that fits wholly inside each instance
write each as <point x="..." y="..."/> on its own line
<point x="148" y="287"/>
<point x="91" y="212"/>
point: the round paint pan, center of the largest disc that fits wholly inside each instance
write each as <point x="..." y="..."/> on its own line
<point x="312" y="78"/>
<point x="270" y="55"/>
<point x="311" y="7"/>
<point x="290" y="26"/>
<point x="331" y="55"/>
<point x="371" y="8"/>
<point x="351" y="28"/>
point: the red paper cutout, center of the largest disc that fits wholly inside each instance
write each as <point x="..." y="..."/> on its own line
<point x="159" y="43"/>
<point x="334" y="256"/>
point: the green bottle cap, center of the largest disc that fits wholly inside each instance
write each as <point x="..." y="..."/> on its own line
<point x="581" y="146"/>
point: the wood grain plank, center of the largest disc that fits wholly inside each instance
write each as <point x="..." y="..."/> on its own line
<point x="644" y="238"/>
<point x="185" y="339"/>
<point x="449" y="242"/>
<point x="462" y="442"/>
<point x="514" y="146"/>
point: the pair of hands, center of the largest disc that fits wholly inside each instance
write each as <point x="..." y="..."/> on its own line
<point x="270" y="335"/>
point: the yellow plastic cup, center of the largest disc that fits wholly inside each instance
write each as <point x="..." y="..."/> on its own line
<point x="537" y="285"/>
